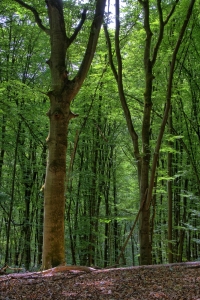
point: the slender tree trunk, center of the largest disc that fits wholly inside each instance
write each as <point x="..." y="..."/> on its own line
<point x="27" y="161"/>
<point x="76" y="213"/>
<point x="12" y="195"/>
<point x="189" y="246"/>
<point x="132" y="250"/>
<point x="182" y="231"/>
<point x="40" y="211"/>
<point x="2" y="151"/>
<point x="27" y="227"/>
<point x="169" y="191"/>
<point x="144" y="231"/>
<point x="160" y="222"/>
<point x="107" y="251"/>
<point x="115" y="223"/>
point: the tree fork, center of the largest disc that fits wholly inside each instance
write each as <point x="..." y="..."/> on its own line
<point x="63" y="91"/>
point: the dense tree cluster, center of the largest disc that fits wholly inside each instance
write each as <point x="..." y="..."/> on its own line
<point x="132" y="153"/>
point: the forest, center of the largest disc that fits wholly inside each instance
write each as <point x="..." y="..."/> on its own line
<point x="99" y="132"/>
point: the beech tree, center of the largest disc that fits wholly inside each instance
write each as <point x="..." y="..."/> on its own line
<point x="63" y="91"/>
<point x="146" y="178"/>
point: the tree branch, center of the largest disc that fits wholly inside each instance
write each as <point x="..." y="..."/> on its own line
<point x="171" y="12"/>
<point x="147" y="28"/>
<point x="162" y="25"/>
<point x="110" y="52"/>
<point x="161" y="32"/>
<point x="118" y="76"/>
<point x="91" y="46"/>
<point x="117" y="46"/>
<point x="36" y="15"/>
<point x="78" y="28"/>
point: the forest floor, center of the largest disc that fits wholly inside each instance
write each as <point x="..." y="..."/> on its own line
<point x="173" y="281"/>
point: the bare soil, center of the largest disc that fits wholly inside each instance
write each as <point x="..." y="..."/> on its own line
<point x="173" y="281"/>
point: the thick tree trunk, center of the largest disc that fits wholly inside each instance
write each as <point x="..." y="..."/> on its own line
<point x="54" y="190"/>
<point x="63" y="91"/>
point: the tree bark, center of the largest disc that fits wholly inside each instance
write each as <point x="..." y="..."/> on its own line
<point x="169" y="192"/>
<point x="144" y="221"/>
<point x="8" y="229"/>
<point x="59" y="114"/>
<point x="63" y="92"/>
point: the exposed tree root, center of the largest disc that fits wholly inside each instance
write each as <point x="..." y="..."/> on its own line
<point x="68" y="268"/>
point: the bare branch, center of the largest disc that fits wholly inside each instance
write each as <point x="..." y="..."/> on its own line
<point x="36" y="15"/>
<point x="78" y="28"/>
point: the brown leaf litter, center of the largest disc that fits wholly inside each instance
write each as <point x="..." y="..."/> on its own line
<point x="172" y="281"/>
